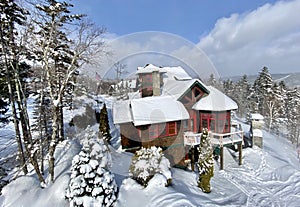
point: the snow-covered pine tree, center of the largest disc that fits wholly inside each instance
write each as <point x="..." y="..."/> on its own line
<point x="275" y="104"/>
<point x="293" y="115"/>
<point x="283" y="93"/>
<point x="228" y="88"/>
<point x="146" y="163"/>
<point x="215" y="83"/>
<point x="261" y="88"/>
<point x="205" y="162"/>
<point x="241" y="92"/>
<point x="104" y="124"/>
<point x="92" y="183"/>
<point x="41" y="124"/>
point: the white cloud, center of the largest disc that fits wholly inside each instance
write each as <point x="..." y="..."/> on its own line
<point x="244" y="43"/>
<point x="159" y="48"/>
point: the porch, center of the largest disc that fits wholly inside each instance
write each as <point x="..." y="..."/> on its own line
<point x="226" y="139"/>
<point x="219" y="141"/>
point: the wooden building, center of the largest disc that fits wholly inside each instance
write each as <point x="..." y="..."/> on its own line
<point x="170" y="104"/>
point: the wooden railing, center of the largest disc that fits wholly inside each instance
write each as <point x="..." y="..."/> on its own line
<point x="226" y="138"/>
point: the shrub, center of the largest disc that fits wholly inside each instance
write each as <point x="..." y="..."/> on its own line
<point x="146" y="163"/>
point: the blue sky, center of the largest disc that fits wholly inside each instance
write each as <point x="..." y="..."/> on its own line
<point x="190" y="19"/>
<point x="239" y="36"/>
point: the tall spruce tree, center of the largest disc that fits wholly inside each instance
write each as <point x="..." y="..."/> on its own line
<point x="293" y="115"/>
<point x="260" y="90"/>
<point x="241" y="93"/>
<point x="104" y="124"/>
<point x="275" y="104"/>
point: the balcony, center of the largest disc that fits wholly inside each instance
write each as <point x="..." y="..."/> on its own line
<point x="227" y="139"/>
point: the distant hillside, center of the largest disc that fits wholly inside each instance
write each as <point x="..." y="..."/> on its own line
<point x="291" y="79"/>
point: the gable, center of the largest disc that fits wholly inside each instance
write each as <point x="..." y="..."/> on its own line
<point x="193" y="93"/>
<point x="178" y="88"/>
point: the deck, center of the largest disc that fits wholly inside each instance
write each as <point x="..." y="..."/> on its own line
<point x="236" y="137"/>
<point x="227" y="139"/>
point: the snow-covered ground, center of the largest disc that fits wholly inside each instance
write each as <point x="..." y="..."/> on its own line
<point x="268" y="177"/>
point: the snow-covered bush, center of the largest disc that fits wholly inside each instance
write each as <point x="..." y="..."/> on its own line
<point x="205" y="162"/>
<point x="92" y="184"/>
<point x="146" y="163"/>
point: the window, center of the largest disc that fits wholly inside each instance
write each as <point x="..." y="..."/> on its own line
<point x="208" y="121"/>
<point x="185" y="125"/>
<point x="172" y="128"/>
<point x="162" y="130"/>
<point x="223" y="122"/>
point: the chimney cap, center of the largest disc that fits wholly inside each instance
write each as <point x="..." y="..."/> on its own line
<point x="149" y="68"/>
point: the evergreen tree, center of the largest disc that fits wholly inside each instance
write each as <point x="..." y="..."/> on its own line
<point x="228" y="88"/>
<point x="283" y="94"/>
<point x="274" y="103"/>
<point x="205" y="162"/>
<point x="215" y="83"/>
<point x="92" y="183"/>
<point x="260" y="90"/>
<point x="104" y="124"/>
<point x="240" y="94"/>
<point x="41" y="124"/>
<point x="293" y="115"/>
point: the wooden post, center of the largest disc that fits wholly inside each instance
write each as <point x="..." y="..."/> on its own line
<point x="240" y="153"/>
<point x="221" y="158"/>
<point x="193" y="159"/>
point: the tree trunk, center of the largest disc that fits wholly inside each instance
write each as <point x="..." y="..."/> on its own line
<point x="53" y="142"/>
<point x="29" y="145"/>
<point x="21" y="153"/>
<point x="61" y="123"/>
<point x="15" y="117"/>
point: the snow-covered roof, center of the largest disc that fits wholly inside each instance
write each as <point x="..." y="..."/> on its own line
<point x="149" y="110"/>
<point x="173" y="73"/>
<point x="257" y="133"/>
<point x="121" y="112"/>
<point x="215" y="101"/>
<point x="177" y="88"/>
<point x="256" y="116"/>
<point x="159" y="109"/>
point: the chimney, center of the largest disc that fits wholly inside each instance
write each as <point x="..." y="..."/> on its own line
<point x="156" y="83"/>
